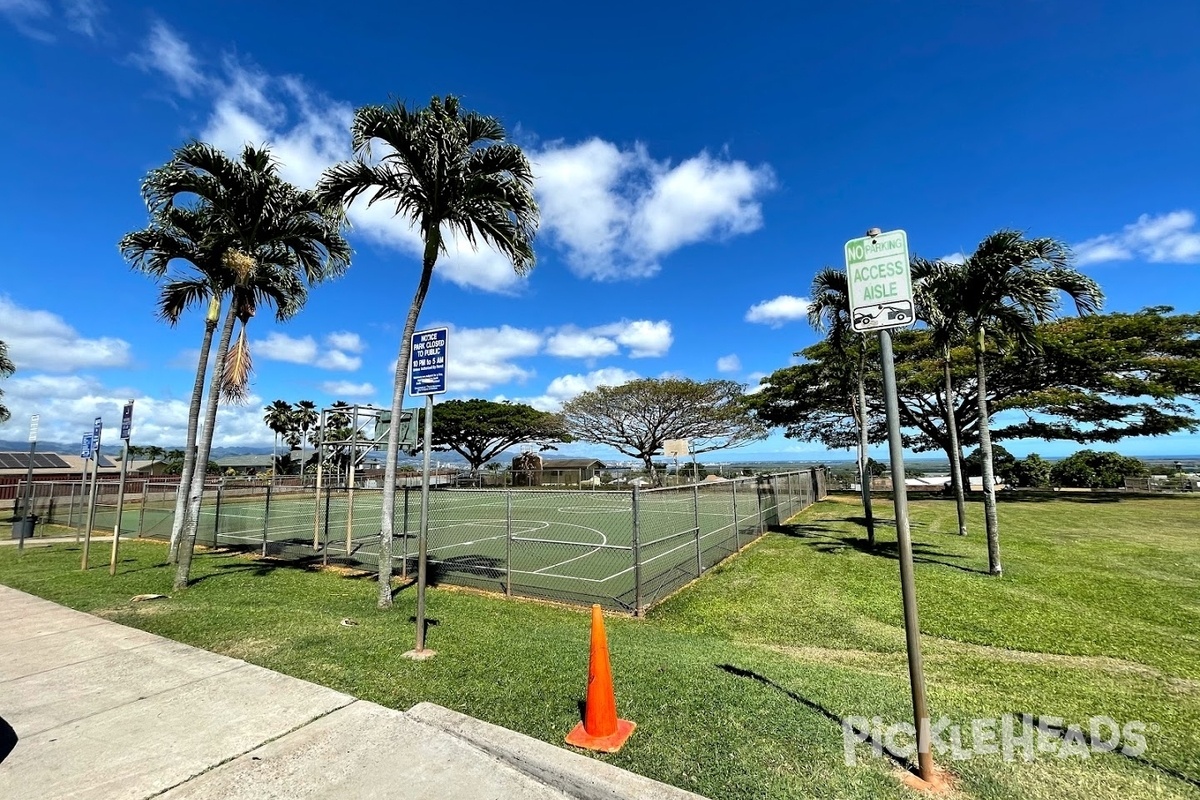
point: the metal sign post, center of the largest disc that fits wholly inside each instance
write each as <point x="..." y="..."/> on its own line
<point x="126" y="430"/>
<point x="877" y="274"/>
<point x="97" y="427"/>
<point x="427" y="377"/>
<point x="85" y="452"/>
<point x="25" y="523"/>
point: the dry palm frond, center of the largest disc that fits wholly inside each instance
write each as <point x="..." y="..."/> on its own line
<point x="238" y="368"/>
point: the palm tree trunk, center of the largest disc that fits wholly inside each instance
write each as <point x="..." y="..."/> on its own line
<point x="187" y="537"/>
<point x="985" y="450"/>
<point x="189" y="446"/>
<point x="956" y="476"/>
<point x="387" y="516"/>
<point x="864" y="441"/>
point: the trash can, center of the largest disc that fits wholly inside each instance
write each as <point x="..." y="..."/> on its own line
<point x="23" y="526"/>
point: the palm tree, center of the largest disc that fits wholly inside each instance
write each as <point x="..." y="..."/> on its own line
<point x="829" y="311"/>
<point x="449" y="172"/>
<point x="7" y="368"/>
<point x="190" y="235"/>
<point x="267" y="231"/>
<point x="937" y="306"/>
<point x="1005" y="288"/>
<point x="304" y="418"/>
<point x="278" y="417"/>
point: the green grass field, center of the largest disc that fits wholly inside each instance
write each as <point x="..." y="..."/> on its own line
<point x="739" y="681"/>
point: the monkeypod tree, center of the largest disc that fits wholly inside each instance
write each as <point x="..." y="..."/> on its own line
<point x="479" y="430"/>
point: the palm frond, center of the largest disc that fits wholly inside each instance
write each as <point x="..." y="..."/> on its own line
<point x="235" y="384"/>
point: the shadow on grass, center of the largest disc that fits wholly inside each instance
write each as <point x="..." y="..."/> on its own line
<point x="824" y="538"/>
<point x="843" y="724"/>
<point x="1055" y="728"/>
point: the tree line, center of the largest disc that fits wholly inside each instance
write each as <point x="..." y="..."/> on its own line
<point x="992" y="340"/>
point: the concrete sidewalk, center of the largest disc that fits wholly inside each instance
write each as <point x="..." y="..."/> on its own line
<point x="105" y="711"/>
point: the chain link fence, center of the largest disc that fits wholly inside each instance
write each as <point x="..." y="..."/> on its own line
<point x="626" y="549"/>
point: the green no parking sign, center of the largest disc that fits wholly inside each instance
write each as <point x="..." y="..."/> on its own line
<point x="879" y="282"/>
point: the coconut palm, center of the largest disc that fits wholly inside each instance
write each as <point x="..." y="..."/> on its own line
<point x="829" y="312"/>
<point x="186" y="234"/>
<point x="449" y="172"/>
<point x="1005" y="288"/>
<point x="304" y="419"/>
<point x="935" y="285"/>
<point x="260" y="221"/>
<point x="278" y="417"/>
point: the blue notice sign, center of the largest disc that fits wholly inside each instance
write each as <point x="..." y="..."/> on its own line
<point x="127" y="421"/>
<point x="97" y="427"/>
<point x="85" y="452"/>
<point x="427" y="364"/>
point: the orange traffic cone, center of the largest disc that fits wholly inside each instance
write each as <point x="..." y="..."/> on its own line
<point x="600" y="729"/>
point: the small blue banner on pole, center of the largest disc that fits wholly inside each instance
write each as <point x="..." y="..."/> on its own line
<point x="97" y="427"/>
<point x="85" y="452"/>
<point x="427" y="363"/>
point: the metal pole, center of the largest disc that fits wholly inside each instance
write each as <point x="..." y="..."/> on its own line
<point x="91" y="515"/>
<point x="423" y="535"/>
<point x="82" y="496"/>
<point x="266" y="520"/>
<point x="112" y="562"/>
<point x="637" y="558"/>
<point x="27" y="509"/>
<point x="320" y="464"/>
<point x="508" y="544"/>
<point x="404" y="537"/>
<point x="758" y="496"/>
<point x="696" y="521"/>
<point x="71" y="509"/>
<point x="325" y="537"/>
<point x="353" y="464"/>
<point x="217" y="516"/>
<point x="737" y="534"/>
<point x="908" y="590"/>
<point x="142" y="511"/>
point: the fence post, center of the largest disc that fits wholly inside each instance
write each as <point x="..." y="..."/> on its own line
<point x="142" y="510"/>
<point x="637" y="559"/>
<point x="696" y="521"/>
<point x="217" y="516"/>
<point x="404" y="537"/>
<point x="325" y="532"/>
<point x="737" y="534"/>
<point x="758" y="490"/>
<point x="508" y="543"/>
<point x="266" y="520"/>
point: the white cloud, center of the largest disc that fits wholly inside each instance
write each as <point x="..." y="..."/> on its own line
<point x="304" y="350"/>
<point x="1169" y="238"/>
<point x="642" y="338"/>
<point x="480" y="358"/>
<point x="754" y="379"/>
<point x="345" y="341"/>
<point x="281" y="347"/>
<point x="729" y="363"/>
<point x="954" y="258"/>
<point x="40" y="340"/>
<point x="779" y="310"/>
<point x="167" y="53"/>
<point x="570" y="342"/>
<point x="68" y="404"/>
<point x="82" y="16"/>
<point x="566" y="387"/>
<point x="336" y="359"/>
<point x="23" y="13"/>
<point x="347" y="389"/>
<point x="618" y="212"/>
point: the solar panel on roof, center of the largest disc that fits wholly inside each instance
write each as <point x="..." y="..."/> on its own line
<point x="40" y="461"/>
<point x="8" y="461"/>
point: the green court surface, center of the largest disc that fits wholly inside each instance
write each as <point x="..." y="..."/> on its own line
<point x="578" y="546"/>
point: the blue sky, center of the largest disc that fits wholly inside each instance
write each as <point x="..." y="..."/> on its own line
<point x="695" y="169"/>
